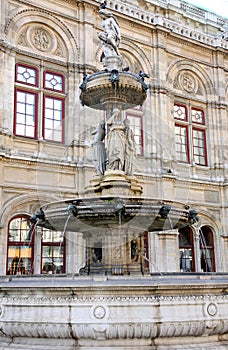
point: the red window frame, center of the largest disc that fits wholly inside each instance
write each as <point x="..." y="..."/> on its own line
<point x="41" y="90"/>
<point x="54" y="98"/>
<point x="186" y="112"/>
<point x="139" y="145"/>
<point x="16" y="265"/>
<point x="187" y="263"/>
<point x="26" y="67"/>
<point x="187" y="144"/>
<point x="51" y="266"/>
<point x="57" y="75"/>
<point x="192" y="125"/>
<point x="204" y="156"/>
<point x="207" y="250"/>
<point x="35" y="94"/>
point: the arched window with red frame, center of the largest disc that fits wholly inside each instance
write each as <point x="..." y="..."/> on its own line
<point x="207" y="260"/>
<point x="20" y="246"/>
<point x="186" y="250"/>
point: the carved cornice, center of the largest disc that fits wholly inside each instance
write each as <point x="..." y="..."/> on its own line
<point x="73" y="299"/>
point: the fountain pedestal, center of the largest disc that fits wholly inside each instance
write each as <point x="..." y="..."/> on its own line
<point x="114" y="182"/>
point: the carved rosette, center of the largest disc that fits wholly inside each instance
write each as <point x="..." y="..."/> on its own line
<point x="41" y="39"/>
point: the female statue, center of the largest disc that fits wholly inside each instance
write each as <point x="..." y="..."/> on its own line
<point x="116" y="141"/>
<point x="129" y="148"/>
<point x="99" y="151"/>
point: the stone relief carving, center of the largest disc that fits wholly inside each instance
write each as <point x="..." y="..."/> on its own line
<point x="117" y="330"/>
<point x="41" y="39"/>
<point x="99" y="312"/>
<point x="22" y="40"/>
<point x="188" y="82"/>
<point x="212" y="309"/>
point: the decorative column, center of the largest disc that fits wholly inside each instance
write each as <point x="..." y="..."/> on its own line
<point x="75" y="247"/>
<point x="166" y="252"/>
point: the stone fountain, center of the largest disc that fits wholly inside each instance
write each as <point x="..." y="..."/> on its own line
<point x="100" y="211"/>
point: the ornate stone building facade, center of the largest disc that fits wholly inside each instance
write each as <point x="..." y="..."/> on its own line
<point x="55" y="290"/>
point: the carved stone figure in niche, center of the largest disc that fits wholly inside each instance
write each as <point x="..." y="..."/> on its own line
<point x="99" y="151"/>
<point x="111" y="35"/>
<point x="116" y="141"/>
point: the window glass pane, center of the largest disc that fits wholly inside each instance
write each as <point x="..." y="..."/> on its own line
<point x="26" y="75"/>
<point x="30" y="109"/>
<point x="52" y="251"/>
<point x="25" y="114"/>
<point x="20" y="118"/>
<point x="49" y="113"/>
<point x="58" y="105"/>
<point x="29" y="131"/>
<point x="180" y="112"/>
<point x="49" y="103"/>
<point x="58" y="115"/>
<point x="199" y="152"/>
<point x="58" y="265"/>
<point x="21" y="96"/>
<point x="30" y="99"/>
<point x="53" y="120"/>
<point x="47" y="235"/>
<point x="21" y="108"/>
<point x="186" y="260"/>
<point x="181" y="143"/>
<point x="18" y="229"/>
<point x="206" y="249"/>
<point x="186" y="250"/>
<point x="47" y="266"/>
<point x="19" y="260"/>
<point x="197" y="116"/>
<point x="57" y="236"/>
<point x="53" y="82"/>
<point x="136" y="127"/>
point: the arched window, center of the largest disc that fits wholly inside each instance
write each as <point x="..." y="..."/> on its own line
<point x="186" y="249"/>
<point x="52" y="252"/>
<point x="20" y="246"/>
<point x="207" y="260"/>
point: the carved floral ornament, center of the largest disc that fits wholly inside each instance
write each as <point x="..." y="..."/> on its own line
<point x="42" y="39"/>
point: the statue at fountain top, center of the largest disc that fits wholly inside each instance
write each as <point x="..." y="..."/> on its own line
<point x="99" y="151"/>
<point x="111" y="35"/>
<point x="116" y="141"/>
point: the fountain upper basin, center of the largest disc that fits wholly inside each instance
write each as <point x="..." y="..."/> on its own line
<point x="104" y="90"/>
<point x="92" y="215"/>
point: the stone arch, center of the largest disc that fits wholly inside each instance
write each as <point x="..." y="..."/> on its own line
<point x="24" y="204"/>
<point x="207" y="218"/>
<point x="195" y="69"/>
<point x="139" y="55"/>
<point x="44" y="18"/>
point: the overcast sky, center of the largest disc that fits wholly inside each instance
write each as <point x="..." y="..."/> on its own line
<point x="220" y="7"/>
